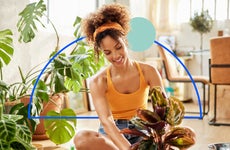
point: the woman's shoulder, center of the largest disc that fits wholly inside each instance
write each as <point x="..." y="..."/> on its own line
<point x="145" y="67"/>
<point x="99" y="79"/>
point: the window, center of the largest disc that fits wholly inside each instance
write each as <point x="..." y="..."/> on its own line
<point x="218" y="9"/>
<point x="221" y="10"/>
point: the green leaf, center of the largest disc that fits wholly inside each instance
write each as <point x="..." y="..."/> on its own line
<point x="12" y="117"/>
<point x="59" y="83"/>
<point x="77" y="24"/>
<point x="73" y="85"/>
<point x="7" y="130"/>
<point x="41" y="90"/>
<point x="23" y="132"/>
<point x="60" y="130"/>
<point x="20" y="109"/>
<point x="29" y="17"/>
<point x="6" y="47"/>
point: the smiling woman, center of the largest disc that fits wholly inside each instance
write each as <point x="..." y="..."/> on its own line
<point x="123" y="86"/>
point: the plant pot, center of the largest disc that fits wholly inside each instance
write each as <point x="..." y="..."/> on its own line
<point x="219" y="146"/>
<point x="55" y="103"/>
<point x="9" y="104"/>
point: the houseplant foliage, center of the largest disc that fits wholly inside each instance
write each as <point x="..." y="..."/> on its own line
<point x="201" y="23"/>
<point x="6" y="53"/>
<point x="65" y="73"/>
<point x="160" y="128"/>
<point x="14" y="136"/>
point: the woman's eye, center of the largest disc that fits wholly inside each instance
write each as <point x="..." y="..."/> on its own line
<point x="119" y="47"/>
<point x="106" y="52"/>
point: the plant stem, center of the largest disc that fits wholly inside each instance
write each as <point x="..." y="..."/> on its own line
<point x="1" y="74"/>
<point x="201" y="55"/>
<point x="56" y="33"/>
<point x="1" y="111"/>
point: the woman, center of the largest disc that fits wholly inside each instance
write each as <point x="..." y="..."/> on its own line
<point x="120" y="89"/>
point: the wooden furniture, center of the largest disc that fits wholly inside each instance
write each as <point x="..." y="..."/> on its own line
<point x="173" y="76"/>
<point x="219" y="68"/>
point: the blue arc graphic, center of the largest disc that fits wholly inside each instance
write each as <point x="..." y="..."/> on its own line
<point x="193" y="82"/>
<point x="96" y="117"/>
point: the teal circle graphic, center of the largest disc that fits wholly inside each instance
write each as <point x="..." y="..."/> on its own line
<point x="141" y="35"/>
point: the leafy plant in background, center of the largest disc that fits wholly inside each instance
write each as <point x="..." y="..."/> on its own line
<point x="65" y="73"/>
<point x="159" y="128"/>
<point x="6" y="53"/>
<point x="201" y="23"/>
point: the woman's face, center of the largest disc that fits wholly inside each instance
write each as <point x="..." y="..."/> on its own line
<point x="114" y="50"/>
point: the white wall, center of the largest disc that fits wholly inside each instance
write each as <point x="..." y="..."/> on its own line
<point x="28" y="55"/>
<point x="9" y="10"/>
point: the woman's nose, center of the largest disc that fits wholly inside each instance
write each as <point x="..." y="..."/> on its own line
<point x="116" y="55"/>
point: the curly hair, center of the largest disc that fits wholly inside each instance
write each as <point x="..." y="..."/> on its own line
<point x="107" y="13"/>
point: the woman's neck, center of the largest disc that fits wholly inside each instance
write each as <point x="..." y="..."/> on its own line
<point x="128" y="66"/>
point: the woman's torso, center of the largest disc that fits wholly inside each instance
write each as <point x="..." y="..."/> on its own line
<point x="122" y="102"/>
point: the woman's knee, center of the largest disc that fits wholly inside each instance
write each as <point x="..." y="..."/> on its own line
<point x="81" y="139"/>
<point x="91" y="140"/>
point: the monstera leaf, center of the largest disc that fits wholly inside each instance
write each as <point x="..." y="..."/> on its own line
<point x="60" y="130"/>
<point x="6" y="47"/>
<point x="27" y="23"/>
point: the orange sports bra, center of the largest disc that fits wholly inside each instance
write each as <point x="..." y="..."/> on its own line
<point x="124" y="106"/>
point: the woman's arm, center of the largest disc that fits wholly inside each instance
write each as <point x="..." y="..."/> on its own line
<point x="98" y="89"/>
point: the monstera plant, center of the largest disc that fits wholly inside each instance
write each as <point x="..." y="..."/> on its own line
<point x="160" y="128"/>
<point x="66" y="72"/>
<point x="6" y="53"/>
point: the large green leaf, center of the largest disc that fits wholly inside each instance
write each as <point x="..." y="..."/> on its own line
<point x="59" y="83"/>
<point x="7" y="130"/>
<point x="77" y="32"/>
<point x="41" y="91"/>
<point x="13" y="135"/>
<point x="23" y="132"/>
<point x="60" y="130"/>
<point x="6" y="47"/>
<point x="29" y="17"/>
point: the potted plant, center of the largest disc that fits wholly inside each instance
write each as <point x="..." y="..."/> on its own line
<point x="13" y="133"/>
<point x="201" y="23"/>
<point x="65" y="73"/>
<point x="160" y="128"/>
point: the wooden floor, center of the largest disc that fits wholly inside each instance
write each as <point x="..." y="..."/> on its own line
<point x="205" y="133"/>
